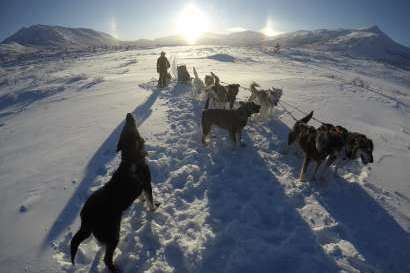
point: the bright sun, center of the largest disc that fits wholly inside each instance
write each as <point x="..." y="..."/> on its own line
<point x="269" y="29"/>
<point x="191" y="23"/>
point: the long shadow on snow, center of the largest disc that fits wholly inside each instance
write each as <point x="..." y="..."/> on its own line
<point x="374" y="232"/>
<point x="95" y="167"/>
<point x="25" y="99"/>
<point x="369" y="227"/>
<point x="257" y="228"/>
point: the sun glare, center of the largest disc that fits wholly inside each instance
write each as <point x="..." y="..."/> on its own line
<point x="269" y="29"/>
<point x="191" y="23"/>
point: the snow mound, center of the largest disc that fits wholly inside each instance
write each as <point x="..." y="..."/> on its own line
<point x="222" y="58"/>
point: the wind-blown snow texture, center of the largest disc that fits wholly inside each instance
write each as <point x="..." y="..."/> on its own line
<point x="224" y="209"/>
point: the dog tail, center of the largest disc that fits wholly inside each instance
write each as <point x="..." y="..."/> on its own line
<point x="80" y="236"/>
<point x="195" y="73"/>
<point x="253" y="86"/>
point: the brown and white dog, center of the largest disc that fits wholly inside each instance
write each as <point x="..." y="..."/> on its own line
<point x="209" y="81"/>
<point x="232" y="120"/>
<point x="267" y="99"/>
<point x="219" y="95"/>
<point x="102" y="212"/>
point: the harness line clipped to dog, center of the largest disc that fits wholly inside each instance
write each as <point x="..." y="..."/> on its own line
<point x="284" y="108"/>
<point x="287" y="111"/>
<point x="302" y="112"/>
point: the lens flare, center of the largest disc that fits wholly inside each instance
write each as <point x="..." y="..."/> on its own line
<point x="269" y="29"/>
<point x="191" y="23"/>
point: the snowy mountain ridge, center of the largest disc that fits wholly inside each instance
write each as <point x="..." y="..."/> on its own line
<point x="369" y="43"/>
<point x="366" y="43"/>
<point x="60" y="37"/>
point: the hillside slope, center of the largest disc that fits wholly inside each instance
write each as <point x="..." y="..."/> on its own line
<point x="60" y="37"/>
<point x="370" y="43"/>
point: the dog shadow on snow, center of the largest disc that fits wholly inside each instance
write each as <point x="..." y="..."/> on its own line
<point x="95" y="167"/>
<point x="382" y="242"/>
<point x="372" y="230"/>
<point x="257" y="228"/>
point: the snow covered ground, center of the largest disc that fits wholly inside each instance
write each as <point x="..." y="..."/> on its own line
<point x="223" y="209"/>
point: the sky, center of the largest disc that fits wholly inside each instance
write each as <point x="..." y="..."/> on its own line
<point x="133" y="19"/>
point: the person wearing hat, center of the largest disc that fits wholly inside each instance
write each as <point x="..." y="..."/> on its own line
<point x="162" y="70"/>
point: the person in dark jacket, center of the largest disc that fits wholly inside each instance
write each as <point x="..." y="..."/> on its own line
<point x="162" y="70"/>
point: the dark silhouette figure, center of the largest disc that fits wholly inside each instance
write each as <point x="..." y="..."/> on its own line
<point x="162" y="70"/>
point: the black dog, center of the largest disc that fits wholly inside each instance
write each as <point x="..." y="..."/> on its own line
<point x="101" y="214"/>
<point x="232" y="120"/>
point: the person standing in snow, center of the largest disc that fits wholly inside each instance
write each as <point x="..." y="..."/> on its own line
<point x="162" y="70"/>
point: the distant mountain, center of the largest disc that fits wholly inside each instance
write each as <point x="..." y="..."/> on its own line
<point x="235" y="39"/>
<point x="60" y="37"/>
<point x="370" y="43"/>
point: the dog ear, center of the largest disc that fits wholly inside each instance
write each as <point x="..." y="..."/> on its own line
<point x="307" y="118"/>
<point x="129" y="117"/>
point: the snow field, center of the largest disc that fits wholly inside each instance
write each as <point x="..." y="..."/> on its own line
<point x="224" y="209"/>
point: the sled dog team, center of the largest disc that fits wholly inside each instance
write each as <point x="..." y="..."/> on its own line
<point x="102" y="212"/>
